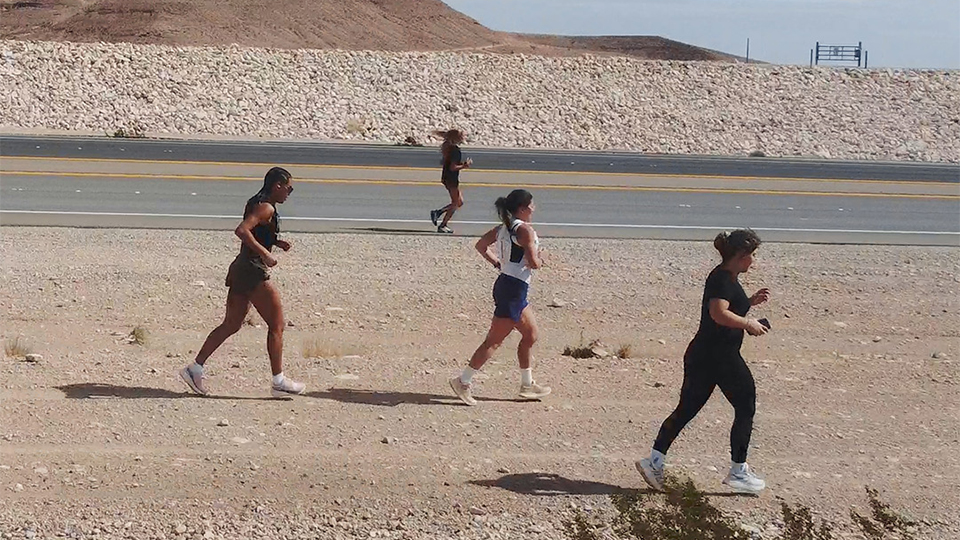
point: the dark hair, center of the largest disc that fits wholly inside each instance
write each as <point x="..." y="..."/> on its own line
<point x="276" y="175"/>
<point x="739" y="241"/>
<point x="507" y="206"/>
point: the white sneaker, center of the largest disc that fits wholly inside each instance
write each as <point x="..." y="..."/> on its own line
<point x="651" y="474"/>
<point x="534" y="391"/>
<point x="287" y="388"/>
<point x="193" y="379"/>
<point x="462" y="391"/>
<point x="744" y="480"/>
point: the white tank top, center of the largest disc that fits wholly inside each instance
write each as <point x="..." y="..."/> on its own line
<point x="514" y="261"/>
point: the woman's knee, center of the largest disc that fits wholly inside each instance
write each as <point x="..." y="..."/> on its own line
<point x="746" y="408"/>
<point x="491" y="344"/>
<point x="232" y="325"/>
<point x="530" y="339"/>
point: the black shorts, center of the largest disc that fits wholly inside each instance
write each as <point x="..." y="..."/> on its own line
<point x="451" y="183"/>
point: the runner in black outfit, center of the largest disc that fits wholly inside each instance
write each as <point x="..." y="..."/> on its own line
<point x="450" y="177"/>
<point x="713" y="359"/>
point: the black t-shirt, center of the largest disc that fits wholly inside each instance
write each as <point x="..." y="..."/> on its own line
<point x="721" y="284"/>
<point x="453" y="157"/>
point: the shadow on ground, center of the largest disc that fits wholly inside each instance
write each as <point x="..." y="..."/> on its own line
<point x="103" y="391"/>
<point x="392" y="399"/>
<point x="549" y="484"/>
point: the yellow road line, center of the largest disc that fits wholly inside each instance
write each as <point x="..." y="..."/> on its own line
<point x="491" y="185"/>
<point x="481" y="171"/>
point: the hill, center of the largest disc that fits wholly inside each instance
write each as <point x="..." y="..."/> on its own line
<point x="384" y="25"/>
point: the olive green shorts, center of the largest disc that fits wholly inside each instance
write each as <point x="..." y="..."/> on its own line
<point x="245" y="274"/>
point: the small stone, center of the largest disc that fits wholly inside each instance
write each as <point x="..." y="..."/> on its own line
<point x="42" y="471"/>
<point x="877" y="339"/>
<point x="840" y="324"/>
<point x="477" y="511"/>
<point x="662" y="342"/>
<point x="223" y="423"/>
<point x="388" y="440"/>
<point x="239" y="440"/>
<point x="938" y="354"/>
<point x="557" y="303"/>
<point x="18" y="488"/>
<point x="181" y="529"/>
<point x="503" y="470"/>
<point x="658" y="384"/>
<point x="33" y="358"/>
<point x="198" y="283"/>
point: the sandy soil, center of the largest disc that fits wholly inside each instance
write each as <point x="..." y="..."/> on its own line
<point x="858" y="386"/>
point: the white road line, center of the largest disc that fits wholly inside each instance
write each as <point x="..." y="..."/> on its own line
<point x="421" y="221"/>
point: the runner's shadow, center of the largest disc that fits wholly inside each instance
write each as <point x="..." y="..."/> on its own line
<point x="547" y="484"/>
<point x="392" y="399"/>
<point x="101" y="391"/>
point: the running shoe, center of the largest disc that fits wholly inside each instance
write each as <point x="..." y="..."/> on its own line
<point x="743" y="480"/>
<point x="534" y="391"/>
<point x="193" y="378"/>
<point x="287" y="388"/>
<point x="462" y="391"/>
<point x="651" y="474"/>
<point x="446" y="230"/>
<point x="435" y="216"/>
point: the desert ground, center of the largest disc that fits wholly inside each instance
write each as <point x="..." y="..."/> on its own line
<point x="858" y="385"/>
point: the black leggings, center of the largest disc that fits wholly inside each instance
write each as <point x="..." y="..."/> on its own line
<point x="702" y="372"/>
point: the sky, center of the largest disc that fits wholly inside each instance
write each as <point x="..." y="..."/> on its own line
<point x="904" y="33"/>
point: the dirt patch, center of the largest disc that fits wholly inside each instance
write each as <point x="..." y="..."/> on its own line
<point x="858" y="385"/>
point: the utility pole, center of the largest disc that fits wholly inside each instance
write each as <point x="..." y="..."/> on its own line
<point x="748" y="50"/>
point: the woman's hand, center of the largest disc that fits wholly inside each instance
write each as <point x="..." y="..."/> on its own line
<point x="760" y="297"/>
<point x="283" y="244"/>
<point x="754" y="328"/>
<point x="269" y="260"/>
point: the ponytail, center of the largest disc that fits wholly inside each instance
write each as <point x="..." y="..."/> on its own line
<point x="505" y="216"/>
<point x="735" y="243"/>
<point x="507" y="206"/>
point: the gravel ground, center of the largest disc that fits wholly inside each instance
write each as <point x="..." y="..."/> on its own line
<point x="858" y="386"/>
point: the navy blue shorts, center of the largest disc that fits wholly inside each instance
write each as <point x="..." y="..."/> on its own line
<point x="509" y="297"/>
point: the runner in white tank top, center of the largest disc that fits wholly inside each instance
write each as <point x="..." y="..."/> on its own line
<point x="514" y="260"/>
<point x="513" y="248"/>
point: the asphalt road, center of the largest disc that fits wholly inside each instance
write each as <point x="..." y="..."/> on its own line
<point x="304" y="153"/>
<point x="383" y="189"/>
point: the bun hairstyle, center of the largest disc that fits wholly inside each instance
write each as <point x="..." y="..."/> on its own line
<point x="507" y="206"/>
<point x="276" y="175"/>
<point x="735" y="243"/>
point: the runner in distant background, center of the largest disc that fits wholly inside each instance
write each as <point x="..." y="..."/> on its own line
<point x="450" y="177"/>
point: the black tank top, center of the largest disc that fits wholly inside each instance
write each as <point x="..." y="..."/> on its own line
<point x="265" y="233"/>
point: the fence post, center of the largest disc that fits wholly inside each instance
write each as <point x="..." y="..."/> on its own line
<point x="865" y="59"/>
<point x="811" y="57"/>
<point x="748" y="50"/>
